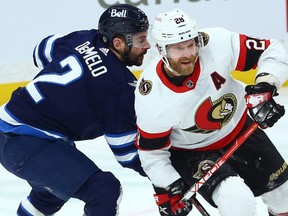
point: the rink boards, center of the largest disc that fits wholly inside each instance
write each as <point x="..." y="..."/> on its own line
<point x="7" y="88"/>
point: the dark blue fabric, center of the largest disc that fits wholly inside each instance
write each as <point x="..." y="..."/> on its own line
<point x="55" y="166"/>
<point x="86" y="106"/>
<point x="101" y="194"/>
<point x="43" y="201"/>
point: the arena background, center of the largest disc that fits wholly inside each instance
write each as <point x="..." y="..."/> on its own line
<point x="24" y="24"/>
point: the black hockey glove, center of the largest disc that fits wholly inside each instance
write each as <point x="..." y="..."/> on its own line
<point x="261" y="105"/>
<point x="168" y="199"/>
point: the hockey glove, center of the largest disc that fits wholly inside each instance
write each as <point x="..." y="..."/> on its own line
<point x="261" y="105"/>
<point x="168" y="199"/>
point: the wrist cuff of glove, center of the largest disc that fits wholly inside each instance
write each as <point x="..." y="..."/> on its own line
<point x="268" y="78"/>
<point x="165" y="198"/>
<point x="174" y="188"/>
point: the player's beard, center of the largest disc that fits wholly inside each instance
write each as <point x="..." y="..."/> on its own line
<point x="184" y="66"/>
<point x="134" y="58"/>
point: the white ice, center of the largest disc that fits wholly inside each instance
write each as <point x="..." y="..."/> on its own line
<point x="137" y="197"/>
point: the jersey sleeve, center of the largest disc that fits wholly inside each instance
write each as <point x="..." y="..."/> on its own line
<point x="44" y="51"/>
<point x="125" y="151"/>
<point x="154" y="130"/>
<point x="157" y="165"/>
<point x="155" y="157"/>
<point x="115" y="108"/>
<point x="153" y="140"/>
<point x="250" y="51"/>
<point x="274" y="61"/>
<point x="154" y="151"/>
<point x="120" y="130"/>
<point x="265" y="55"/>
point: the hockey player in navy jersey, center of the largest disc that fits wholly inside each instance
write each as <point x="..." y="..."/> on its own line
<point x="189" y="110"/>
<point x="84" y="91"/>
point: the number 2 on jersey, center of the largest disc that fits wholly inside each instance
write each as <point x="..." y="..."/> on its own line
<point x="63" y="79"/>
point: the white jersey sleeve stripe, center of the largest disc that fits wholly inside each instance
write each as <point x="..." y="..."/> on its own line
<point x="126" y="158"/>
<point x="37" y="58"/>
<point x="119" y="141"/>
<point x="49" y="46"/>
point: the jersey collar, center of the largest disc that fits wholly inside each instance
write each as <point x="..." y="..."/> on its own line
<point x="188" y="84"/>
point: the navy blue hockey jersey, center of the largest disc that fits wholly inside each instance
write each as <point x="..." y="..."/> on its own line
<point x="83" y="91"/>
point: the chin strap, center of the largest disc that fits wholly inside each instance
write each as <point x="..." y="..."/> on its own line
<point x="166" y="61"/>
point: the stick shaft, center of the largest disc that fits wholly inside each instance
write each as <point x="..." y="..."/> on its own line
<point x="238" y="142"/>
<point x="199" y="206"/>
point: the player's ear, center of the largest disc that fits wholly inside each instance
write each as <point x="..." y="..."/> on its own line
<point x="119" y="44"/>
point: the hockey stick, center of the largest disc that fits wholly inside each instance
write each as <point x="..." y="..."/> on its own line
<point x="238" y="142"/>
<point x="199" y="206"/>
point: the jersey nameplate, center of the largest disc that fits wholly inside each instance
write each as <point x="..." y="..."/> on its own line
<point x="92" y="59"/>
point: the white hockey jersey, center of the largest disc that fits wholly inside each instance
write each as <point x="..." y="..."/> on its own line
<point x="208" y="110"/>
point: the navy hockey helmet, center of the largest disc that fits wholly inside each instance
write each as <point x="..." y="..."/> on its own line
<point x="122" y="19"/>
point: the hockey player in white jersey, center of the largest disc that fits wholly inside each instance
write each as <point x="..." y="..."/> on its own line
<point x="190" y="110"/>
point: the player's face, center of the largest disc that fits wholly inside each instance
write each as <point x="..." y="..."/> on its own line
<point x="182" y="56"/>
<point x="139" y="49"/>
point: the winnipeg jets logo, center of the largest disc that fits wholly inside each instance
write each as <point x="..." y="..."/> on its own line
<point x="133" y="84"/>
<point x="104" y="50"/>
<point x="115" y="13"/>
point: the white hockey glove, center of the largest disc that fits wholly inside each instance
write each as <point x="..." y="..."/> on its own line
<point x="168" y="199"/>
<point x="261" y="105"/>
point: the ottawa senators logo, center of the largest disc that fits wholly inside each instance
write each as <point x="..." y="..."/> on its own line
<point x="213" y="115"/>
<point x="145" y="87"/>
<point x="203" y="168"/>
